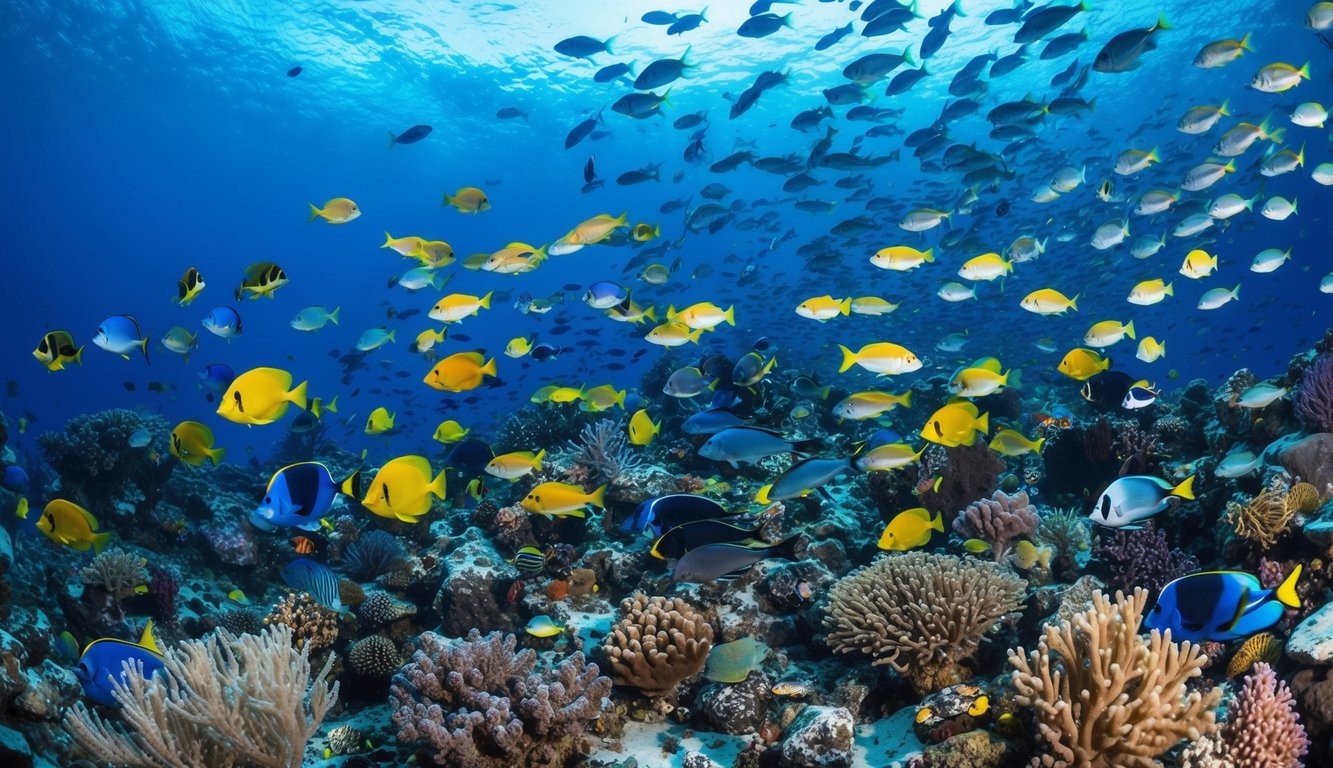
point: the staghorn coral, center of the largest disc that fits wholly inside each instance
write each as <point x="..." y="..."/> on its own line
<point x="1263" y="729"/>
<point x="1105" y="697"/>
<point x="604" y="448"/>
<point x="224" y="701"/>
<point x="116" y="571"/>
<point x="658" y="642"/>
<point x="998" y="520"/>
<point x="921" y="613"/>
<point x="312" y="625"/>
<point x="476" y="703"/>
<point x="1141" y="557"/>
<point x="372" y="554"/>
<point x="1314" y="395"/>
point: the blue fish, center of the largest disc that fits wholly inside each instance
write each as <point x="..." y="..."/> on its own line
<point x="217" y="376"/>
<point x="223" y="321"/>
<point x="298" y="495"/>
<point x="608" y="73"/>
<point x="658" y="18"/>
<point x="315" y="579"/>
<point x="605" y="294"/>
<point x="16" y="478"/>
<point x="662" y="513"/>
<point x="100" y="666"/>
<point x="832" y="38"/>
<point x="120" y="334"/>
<point x="1221" y="605"/>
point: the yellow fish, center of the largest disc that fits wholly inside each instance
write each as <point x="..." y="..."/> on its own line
<point x="955" y="424"/>
<point x="702" y="316"/>
<point x="379" y="422"/>
<point x="1198" y="264"/>
<point x="673" y="335"/>
<point x="402" y="489"/>
<point x="515" y="259"/>
<point x="450" y="431"/>
<point x="901" y="258"/>
<point x="889" y="456"/>
<point x="339" y="210"/>
<point x="460" y="372"/>
<point x="1150" y="350"/>
<point x="642" y="233"/>
<point x="565" y="395"/>
<point x="403" y="245"/>
<point x="261" y="396"/>
<point x="1026" y="554"/>
<point x="512" y="466"/>
<point x="192" y="443"/>
<point x="985" y="267"/>
<point x="629" y="312"/>
<point x="189" y="287"/>
<point x="434" y="253"/>
<point x="457" y="306"/>
<point x="867" y="405"/>
<point x="562" y="499"/>
<point x="872" y="306"/>
<point x="642" y="429"/>
<point x="1048" y="301"/>
<point x="57" y="348"/>
<point x="70" y="525"/>
<point x="1150" y="292"/>
<point x="603" y="397"/>
<point x="427" y="339"/>
<point x="261" y="279"/>
<point x="976" y="546"/>
<point x="1082" y="364"/>
<point x="238" y="596"/>
<point x="884" y="358"/>
<point x="909" y="530"/>
<point x="518" y="347"/>
<point x="596" y="229"/>
<point x="467" y="200"/>
<point x="824" y="308"/>
<point x="1011" y="443"/>
<point x="977" y="381"/>
<point x="1108" y="332"/>
<point x="21" y="509"/>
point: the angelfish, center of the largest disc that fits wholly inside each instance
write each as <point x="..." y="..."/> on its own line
<point x="1131" y="499"/>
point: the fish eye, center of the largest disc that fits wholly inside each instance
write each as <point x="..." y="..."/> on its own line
<point x="268" y="499"/>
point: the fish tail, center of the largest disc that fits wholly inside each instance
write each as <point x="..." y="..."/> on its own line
<point x="848" y="359"/>
<point x="1304" y="71"/>
<point x="298" y="396"/>
<point x="99" y="542"/>
<point x="144" y="345"/>
<point x="650" y="314"/>
<point x="1161" y="23"/>
<point x="485" y="302"/>
<point x="1186" y="488"/>
<point x="1170" y="291"/>
<point x="216" y="454"/>
<point x="929" y="255"/>
<point x="489" y="368"/>
<point x="315" y="213"/>
<point x="937" y="523"/>
<point x="845" y="306"/>
<point x="730" y="315"/>
<point x="1073" y="303"/>
<point x="1245" y="43"/>
<point x="1286" y="592"/>
<point x="78" y="355"/>
<point x="1129" y="329"/>
<point x="694" y="335"/>
<point x="983" y="423"/>
<point x="388" y="240"/>
<point x="438" y="485"/>
<point x="333" y="316"/>
<point x="448" y="200"/>
<point x="785" y="549"/>
<point x="537" y="460"/>
<point x="392" y="139"/>
<point x="1037" y="446"/>
<point x="597" y="499"/>
<point x="352" y="485"/>
<point x="905" y="400"/>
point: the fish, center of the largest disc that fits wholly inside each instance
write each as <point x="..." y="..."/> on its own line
<point x="299" y="495"/>
<point x="516" y="464"/>
<point x="460" y="372"/>
<point x="910" y="529"/>
<point x="339" y="210"/>
<point x="379" y="422"/>
<point x="119" y="334"/>
<point x="562" y="499"/>
<point x="1107" y="389"/>
<point x="56" y="349"/>
<point x="529" y="560"/>
<point x="543" y="626"/>
<point x="888" y="456"/>
<point x="1150" y="350"/>
<point x="312" y="319"/>
<point x="884" y="358"/>
<point x="1048" y="301"/>
<point x="1132" y="499"/>
<point x="103" y="664"/>
<point x="1260" y="395"/>
<point x="402" y="489"/>
<point x="467" y="200"/>
<point x="374" y="338"/>
<point x="262" y="278"/>
<point x="302" y="545"/>
<point x="70" y="525"/>
<point x="189" y="287"/>
<point x="1238" y="463"/>
<point x="1082" y="364"/>
<point x="1221" y="606"/>
<point x="676" y="541"/>
<point x="192" y="443"/>
<point x="1217" y="297"/>
<point x="583" y="47"/>
<point x="722" y="562"/>
<point x="1009" y="442"/>
<point x="1121" y="53"/>
<point x="747" y="445"/>
<point x="410" y="136"/>
<point x="261" y="396"/>
<point x="642" y="429"/>
<point x="223" y="321"/>
<point x="315" y="579"/>
<point x="1219" y="53"/>
<point x="732" y="662"/>
<point x="659" y="514"/>
<point x="956" y="424"/>
<point x="806" y="476"/>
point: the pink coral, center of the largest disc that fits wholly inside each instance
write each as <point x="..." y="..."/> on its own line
<point x="1263" y="729"/>
<point x="998" y="520"/>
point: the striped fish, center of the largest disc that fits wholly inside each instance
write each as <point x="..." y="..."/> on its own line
<point x="315" y="579"/>
<point x="529" y="560"/>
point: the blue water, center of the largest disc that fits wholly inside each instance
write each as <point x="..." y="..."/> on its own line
<point x="143" y="138"/>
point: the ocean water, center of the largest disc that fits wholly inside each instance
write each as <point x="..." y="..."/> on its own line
<point x="140" y="139"/>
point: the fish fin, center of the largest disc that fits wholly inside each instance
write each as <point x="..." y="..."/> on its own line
<point x="298" y="395"/>
<point x="598" y="498"/>
<point x="1186" y="489"/>
<point x="99" y="542"/>
<point x="333" y="316"/>
<point x="848" y="359"/>
<point x="537" y="459"/>
<point x="1286" y="592"/>
<point x="785" y="549"/>
<point x="216" y="454"/>
<point x="147" y="640"/>
<point x="937" y="523"/>
<point x="392" y="140"/>
<point x="1241" y="605"/>
<point x="314" y="213"/>
<point x="437" y="485"/>
<point x="351" y="486"/>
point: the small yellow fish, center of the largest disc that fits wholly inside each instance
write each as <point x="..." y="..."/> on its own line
<point x="955" y="424"/>
<point x="1108" y="332"/>
<point x="642" y="233"/>
<point x="1082" y="364"/>
<point x="261" y="396"/>
<point x="1011" y="443"/>
<point x="22" y="508"/>
<point x="1150" y="292"/>
<point x="379" y="422"/>
<point x="339" y="210"/>
<point x="910" y="529"/>
<point x="404" y="246"/>
<point x="702" y="316"/>
<point x="976" y="546"/>
<point x="883" y="458"/>
<point x="562" y="499"/>
<point x="449" y="432"/>
<point x="671" y="334"/>
<point x="237" y="596"/>
<point x="467" y="200"/>
<point x="1150" y="350"/>
<point x="824" y="308"/>
<point x="402" y="489"/>
<point x="518" y="347"/>
<point x="456" y="306"/>
<point x="882" y="357"/>
<point x="565" y="395"/>
<point x="543" y="626"/>
<point x="985" y="267"/>
<point x="1026" y="554"/>
<point x="901" y="258"/>
<point x="1198" y="264"/>
<point x="1048" y="301"/>
<point x="642" y="429"/>
<point x="603" y="398"/>
<point x="427" y="339"/>
<point x="460" y="372"/>
<point x="511" y="466"/>
<point x="70" y="525"/>
<point x="192" y="443"/>
<point x="596" y="229"/>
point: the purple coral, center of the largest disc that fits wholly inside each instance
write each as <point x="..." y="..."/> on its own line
<point x="1141" y="558"/>
<point x="1263" y="729"/>
<point x="998" y="520"/>
<point x="1314" y="400"/>
<point x="476" y="703"/>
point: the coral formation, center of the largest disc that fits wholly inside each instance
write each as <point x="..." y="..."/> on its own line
<point x="224" y="701"/>
<point x="380" y="608"/>
<point x="1143" y="557"/>
<point x="1267" y="516"/>
<point x="312" y="625"/>
<point x="476" y="703"/>
<point x="657" y="643"/>
<point x="374" y="656"/>
<point x="119" y="573"/>
<point x="98" y="471"/>
<point x="603" y="448"/>
<point x="1314" y="395"/>
<point x="1104" y="696"/>
<point x="998" y="521"/>
<point x="922" y="614"/>
<point x="372" y="554"/>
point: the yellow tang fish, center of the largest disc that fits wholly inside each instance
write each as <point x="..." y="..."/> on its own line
<point x="402" y="489"/>
<point x="1082" y="364"/>
<point x="642" y="429"/>
<point x="910" y="529"/>
<point x="1011" y="443"/>
<point x="380" y="421"/>
<point x="261" y="396"/>
<point x="457" y="306"/>
<point x="339" y="210"/>
<point x="192" y="443"/>
<point x="602" y="398"/>
<point x="70" y="525"/>
<point x="562" y="499"/>
<point x="450" y="431"/>
<point x="460" y="372"/>
<point x="705" y="315"/>
<point x="955" y="424"/>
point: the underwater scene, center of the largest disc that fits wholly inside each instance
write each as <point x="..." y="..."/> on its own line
<point x="576" y="383"/>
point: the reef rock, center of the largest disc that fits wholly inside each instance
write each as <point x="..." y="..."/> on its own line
<point x="821" y="737"/>
<point x="736" y="708"/>
<point x="14" y="749"/>
<point x="1312" y="641"/>
<point x="470" y="595"/>
<point x="1310" y="459"/>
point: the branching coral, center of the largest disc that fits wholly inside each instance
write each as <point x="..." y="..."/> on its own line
<point x="477" y="704"/>
<point x="1105" y="697"/>
<point x="1142" y="558"/>
<point x="921" y="613"/>
<point x="604" y="449"/>
<point x="118" y="572"/>
<point x="1267" y="516"/>
<point x="1262" y="728"/>
<point x="224" y="701"/>
<point x="313" y="626"/>
<point x="1314" y="399"/>
<point x="998" y="520"/>
<point x="658" y="642"/>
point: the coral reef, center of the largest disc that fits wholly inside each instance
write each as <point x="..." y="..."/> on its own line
<point x="1314" y="395"/>
<point x="1267" y="516"/>
<point x="1262" y="728"/>
<point x="312" y="625"/>
<point x="99" y="470"/>
<point x="476" y="703"/>
<point x="922" y="614"/>
<point x="374" y="656"/>
<point x="1141" y="557"/>
<point x="1104" y="696"/>
<point x="604" y="449"/>
<point x="998" y="521"/>
<point x="657" y="643"/>
<point x="117" y="572"/>
<point x="224" y="701"/>
<point x="372" y="554"/>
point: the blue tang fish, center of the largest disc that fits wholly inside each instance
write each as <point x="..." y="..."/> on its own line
<point x="223" y="321"/>
<point x="100" y="665"/>
<point x="662" y="513"/>
<point x="1221" y="605"/>
<point x="298" y="495"/>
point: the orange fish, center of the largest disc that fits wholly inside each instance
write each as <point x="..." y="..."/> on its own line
<point x="303" y="545"/>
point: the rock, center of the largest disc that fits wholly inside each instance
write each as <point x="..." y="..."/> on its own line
<point x="736" y="708"/>
<point x="974" y="749"/>
<point x="6" y="551"/>
<point x="470" y="595"/>
<point x="14" y="749"/>
<point x="1310" y="459"/>
<point x="13" y="681"/>
<point x="1312" y="640"/>
<point x="821" y="737"/>
<point x="698" y="760"/>
<point x="51" y="688"/>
